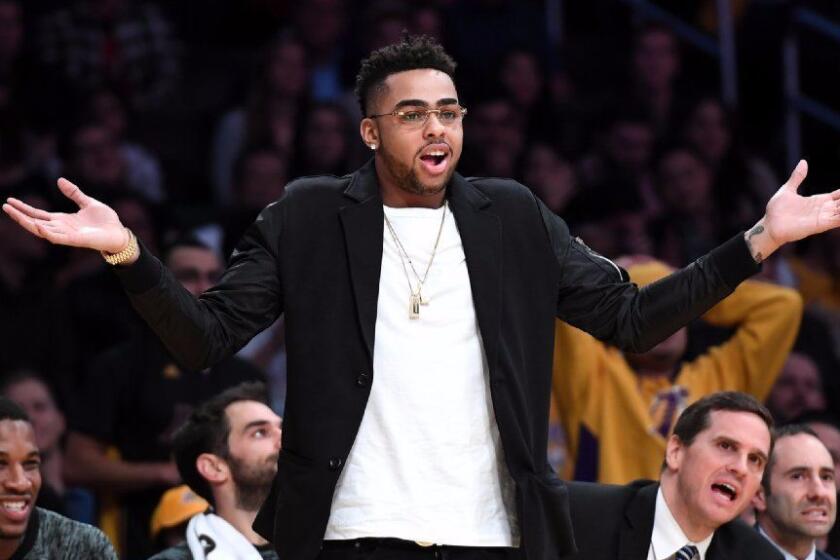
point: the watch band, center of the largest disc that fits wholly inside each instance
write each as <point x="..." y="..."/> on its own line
<point x="126" y="254"/>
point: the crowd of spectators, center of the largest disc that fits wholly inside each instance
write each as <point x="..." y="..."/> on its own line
<point x="188" y="121"/>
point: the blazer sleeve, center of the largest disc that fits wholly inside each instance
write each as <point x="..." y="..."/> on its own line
<point x="595" y="295"/>
<point x="200" y="332"/>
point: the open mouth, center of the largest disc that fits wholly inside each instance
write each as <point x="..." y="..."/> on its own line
<point x="434" y="160"/>
<point x="819" y="515"/>
<point x="435" y="157"/>
<point x="726" y="490"/>
<point x="15" y="509"/>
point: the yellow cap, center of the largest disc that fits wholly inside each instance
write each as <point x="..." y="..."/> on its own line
<point x="176" y="506"/>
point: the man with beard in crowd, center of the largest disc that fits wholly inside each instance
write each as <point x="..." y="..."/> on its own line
<point x="797" y="502"/>
<point x="227" y="453"/>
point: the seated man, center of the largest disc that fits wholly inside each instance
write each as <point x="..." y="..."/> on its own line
<point x="227" y="453"/>
<point x="797" y="502"/>
<point x="134" y="398"/>
<point x="712" y="469"/>
<point x="28" y="532"/>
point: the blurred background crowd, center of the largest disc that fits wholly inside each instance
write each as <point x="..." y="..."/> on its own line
<point x="188" y="119"/>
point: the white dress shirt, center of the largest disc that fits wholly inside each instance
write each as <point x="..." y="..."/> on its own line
<point x="788" y="556"/>
<point x="668" y="537"/>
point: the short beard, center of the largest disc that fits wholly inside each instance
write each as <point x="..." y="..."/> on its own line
<point x="252" y="483"/>
<point x="406" y="178"/>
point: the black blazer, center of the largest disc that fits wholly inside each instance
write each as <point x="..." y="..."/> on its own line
<point x="616" y="523"/>
<point x="819" y="554"/>
<point x="316" y="255"/>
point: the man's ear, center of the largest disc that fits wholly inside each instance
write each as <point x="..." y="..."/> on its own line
<point x="759" y="501"/>
<point x="674" y="451"/>
<point x="370" y="133"/>
<point x="212" y="467"/>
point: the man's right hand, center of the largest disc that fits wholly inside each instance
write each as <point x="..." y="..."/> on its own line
<point x="94" y="226"/>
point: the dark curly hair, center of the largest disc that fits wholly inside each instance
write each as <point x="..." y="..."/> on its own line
<point x="207" y="430"/>
<point x="412" y="53"/>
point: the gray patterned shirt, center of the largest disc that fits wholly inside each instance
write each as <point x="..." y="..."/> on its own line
<point x="53" y="536"/>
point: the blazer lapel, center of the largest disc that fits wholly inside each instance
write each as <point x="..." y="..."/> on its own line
<point x="716" y="550"/>
<point x="363" y="222"/>
<point x="481" y="236"/>
<point x="637" y="531"/>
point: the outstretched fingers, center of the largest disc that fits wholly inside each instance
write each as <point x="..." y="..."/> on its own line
<point x="22" y="219"/>
<point x="28" y="210"/>
<point x="798" y="175"/>
<point x="73" y="192"/>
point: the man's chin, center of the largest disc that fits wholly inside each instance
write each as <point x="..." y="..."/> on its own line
<point x="12" y="534"/>
<point x="431" y="188"/>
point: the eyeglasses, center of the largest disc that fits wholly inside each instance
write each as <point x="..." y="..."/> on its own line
<point x="447" y="116"/>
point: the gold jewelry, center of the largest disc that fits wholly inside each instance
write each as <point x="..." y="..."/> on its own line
<point x="415" y="299"/>
<point x="124" y="255"/>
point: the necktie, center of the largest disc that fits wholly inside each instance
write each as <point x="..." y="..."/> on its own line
<point x="688" y="552"/>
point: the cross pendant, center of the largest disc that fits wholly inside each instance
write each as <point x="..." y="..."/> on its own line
<point x="414" y="301"/>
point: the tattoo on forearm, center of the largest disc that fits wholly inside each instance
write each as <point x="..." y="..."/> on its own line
<point x="757" y="256"/>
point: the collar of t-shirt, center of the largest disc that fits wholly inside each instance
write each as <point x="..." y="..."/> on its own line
<point x="788" y="556"/>
<point x="30" y="537"/>
<point x="668" y="536"/>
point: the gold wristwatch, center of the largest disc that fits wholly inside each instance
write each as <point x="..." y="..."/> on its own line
<point x="126" y="254"/>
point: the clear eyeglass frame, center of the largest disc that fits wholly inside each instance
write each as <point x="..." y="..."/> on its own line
<point x="447" y="116"/>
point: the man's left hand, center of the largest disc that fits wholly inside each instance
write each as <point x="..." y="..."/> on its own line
<point x="791" y="217"/>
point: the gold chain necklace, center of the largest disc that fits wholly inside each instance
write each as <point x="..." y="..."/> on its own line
<point x="415" y="299"/>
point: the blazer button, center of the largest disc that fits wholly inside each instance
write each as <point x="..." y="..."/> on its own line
<point x="335" y="463"/>
<point x="363" y="380"/>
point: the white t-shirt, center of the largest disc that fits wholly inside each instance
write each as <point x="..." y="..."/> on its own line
<point x="427" y="463"/>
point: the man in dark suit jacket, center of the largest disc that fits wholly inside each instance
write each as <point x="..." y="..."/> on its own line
<point x="797" y="502"/>
<point x="326" y="257"/>
<point x="712" y="469"/>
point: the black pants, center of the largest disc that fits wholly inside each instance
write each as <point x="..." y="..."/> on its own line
<point x="396" y="549"/>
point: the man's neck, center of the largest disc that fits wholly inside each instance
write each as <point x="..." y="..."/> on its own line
<point x="396" y="197"/>
<point x="796" y="545"/>
<point x="8" y="546"/>
<point x="696" y="532"/>
<point x="654" y="372"/>
<point x="242" y="520"/>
